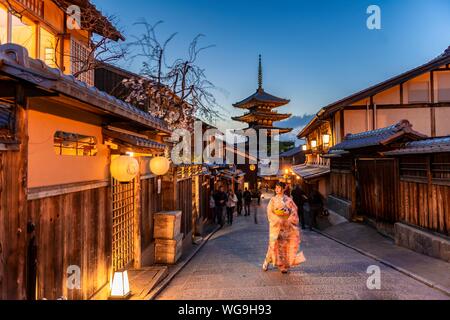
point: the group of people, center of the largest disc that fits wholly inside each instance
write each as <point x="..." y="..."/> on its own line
<point x="230" y="202"/>
<point x="313" y="199"/>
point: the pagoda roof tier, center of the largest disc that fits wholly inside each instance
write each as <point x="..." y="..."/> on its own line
<point x="270" y="128"/>
<point x="255" y="116"/>
<point x="261" y="97"/>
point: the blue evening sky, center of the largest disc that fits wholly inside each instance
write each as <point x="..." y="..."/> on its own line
<point x="314" y="52"/>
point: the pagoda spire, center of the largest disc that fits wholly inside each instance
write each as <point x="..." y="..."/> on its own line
<point x="260" y="75"/>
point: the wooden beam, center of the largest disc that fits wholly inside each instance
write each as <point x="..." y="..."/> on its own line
<point x="432" y="109"/>
<point x="342" y="124"/>
<point x="401" y="93"/>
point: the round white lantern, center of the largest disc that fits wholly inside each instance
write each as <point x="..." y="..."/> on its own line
<point x="159" y="166"/>
<point x="124" y="168"/>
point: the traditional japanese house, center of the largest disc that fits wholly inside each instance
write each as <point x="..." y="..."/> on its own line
<point x="63" y="216"/>
<point x="424" y="196"/>
<point x="421" y="95"/>
<point x="261" y="116"/>
<point x="396" y="179"/>
<point x="46" y="30"/>
<point x="362" y="181"/>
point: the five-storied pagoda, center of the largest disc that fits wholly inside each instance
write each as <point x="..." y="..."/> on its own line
<point x="260" y="112"/>
<point x="260" y="107"/>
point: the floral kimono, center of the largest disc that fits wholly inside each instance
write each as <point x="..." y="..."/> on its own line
<point x="284" y="241"/>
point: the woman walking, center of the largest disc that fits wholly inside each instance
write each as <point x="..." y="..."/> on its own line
<point x="231" y="205"/>
<point x="284" y="236"/>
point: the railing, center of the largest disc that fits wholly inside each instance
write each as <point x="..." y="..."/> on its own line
<point x="35" y="6"/>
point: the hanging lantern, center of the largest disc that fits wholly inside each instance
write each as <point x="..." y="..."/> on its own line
<point x="124" y="168"/>
<point x="304" y="147"/>
<point x="314" y="144"/>
<point x="252" y="167"/>
<point x="159" y="166"/>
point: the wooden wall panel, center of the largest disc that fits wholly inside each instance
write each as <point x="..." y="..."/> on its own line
<point x="342" y="185"/>
<point x="73" y="229"/>
<point x="150" y="204"/>
<point x="425" y="205"/>
<point x="13" y="215"/>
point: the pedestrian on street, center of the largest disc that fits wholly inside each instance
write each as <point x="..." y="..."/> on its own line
<point x="284" y="234"/>
<point x="299" y="198"/>
<point x="212" y="206"/>
<point x="231" y="206"/>
<point x="239" y="196"/>
<point x="220" y="198"/>
<point x="247" y="201"/>
<point x="258" y="195"/>
<point x="315" y="208"/>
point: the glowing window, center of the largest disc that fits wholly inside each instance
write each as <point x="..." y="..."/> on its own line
<point x="72" y="144"/>
<point x="23" y="32"/>
<point x="3" y="25"/>
<point x="48" y="51"/>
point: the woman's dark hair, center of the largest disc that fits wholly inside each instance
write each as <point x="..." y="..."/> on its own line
<point x="280" y="184"/>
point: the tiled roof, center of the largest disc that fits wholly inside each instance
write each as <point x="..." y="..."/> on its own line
<point x="292" y="152"/>
<point x="309" y="171"/>
<point x="133" y="140"/>
<point x="433" y="145"/>
<point x="377" y="137"/>
<point x="14" y="61"/>
<point x="261" y="96"/>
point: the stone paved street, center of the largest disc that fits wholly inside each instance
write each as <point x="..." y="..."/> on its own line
<point x="229" y="268"/>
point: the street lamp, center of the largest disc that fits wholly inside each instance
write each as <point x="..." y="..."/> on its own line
<point x="120" y="286"/>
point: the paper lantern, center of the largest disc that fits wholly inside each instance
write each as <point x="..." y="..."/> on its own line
<point x="314" y="144"/>
<point x="326" y="139"/>
<point x="304" y="147"/>
<point x="160" y="166"/>
<point x="252" y="167"/>
<point x="120" y="287"/>
<point x="124" y="168"/>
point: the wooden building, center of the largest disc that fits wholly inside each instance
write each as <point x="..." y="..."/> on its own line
<point x="41" y="26"/>
<point x="61" y="210"/>
<point x="421" y="95"/>
<point x="398" y="180"/>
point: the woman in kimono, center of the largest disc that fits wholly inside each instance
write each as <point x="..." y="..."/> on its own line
<point x="284" y="236"/>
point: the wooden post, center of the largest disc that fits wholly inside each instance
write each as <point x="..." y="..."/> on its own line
<point x="137" y="223"/>
<point x="169" y="191"/>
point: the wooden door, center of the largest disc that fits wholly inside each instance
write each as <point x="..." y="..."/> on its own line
<point x="377" y="185"/>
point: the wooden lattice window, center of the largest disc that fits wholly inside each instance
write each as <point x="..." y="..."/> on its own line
<point x="123" y="210"/>
<point x="342" y="165"/>
<point x="73" y="144"/>
<point x="414" y="168"/>
<point x="440" y="167"/>
<point x="80" y="56"/>
<point x="35" y="6"/>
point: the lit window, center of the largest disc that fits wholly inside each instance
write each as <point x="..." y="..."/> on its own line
<point x="24" y="34"/>
<point x="48" y="48"/>
<point x="3" y="25"/>
<point x="72" y="144"/>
